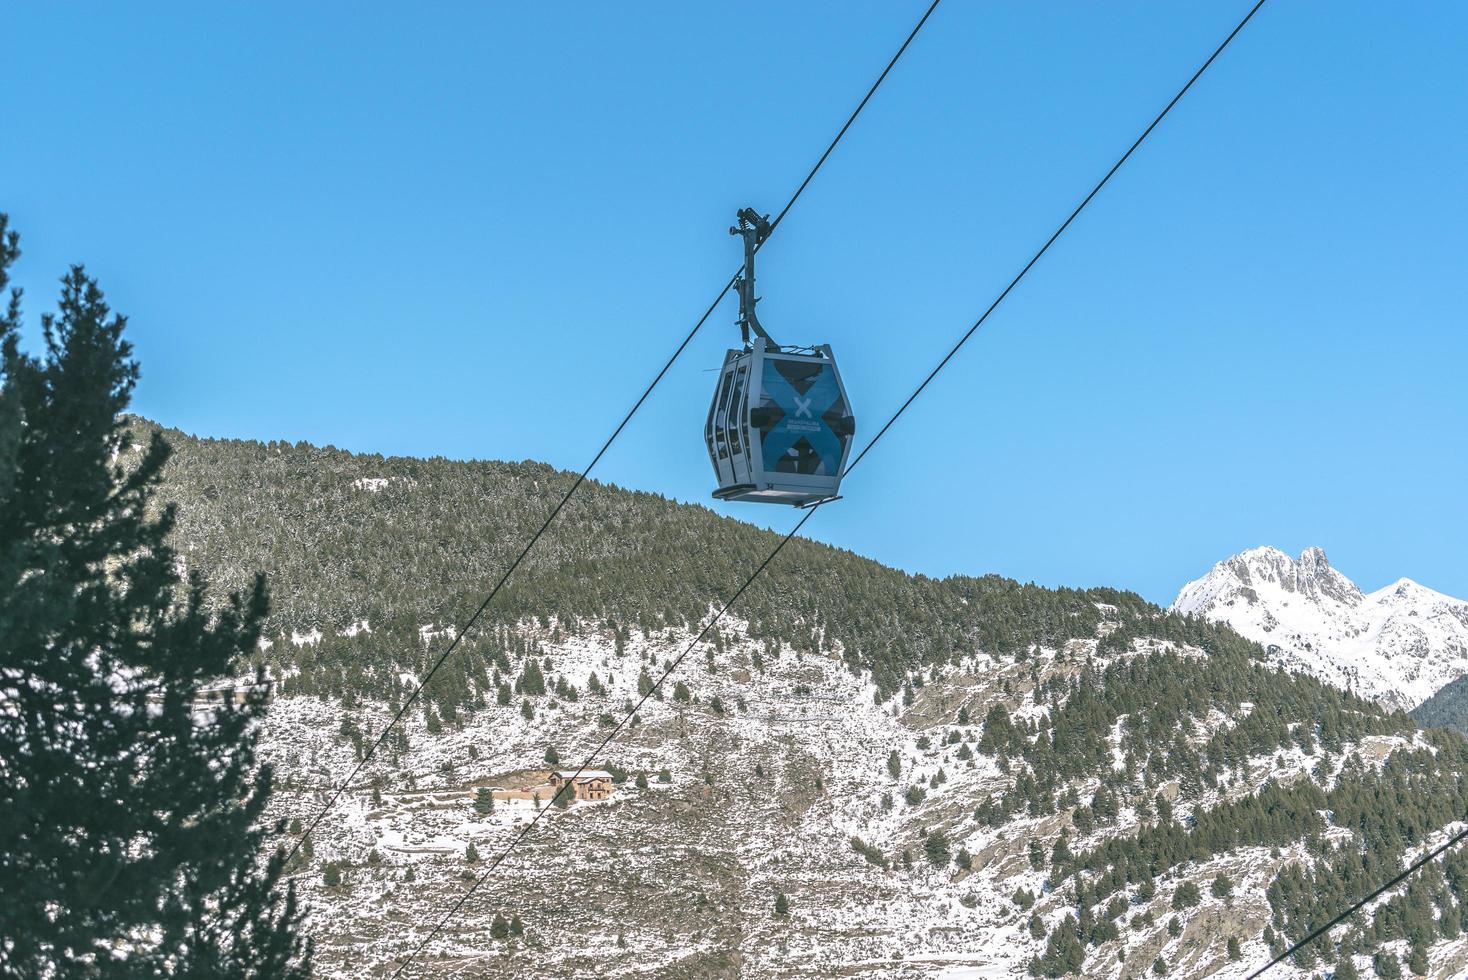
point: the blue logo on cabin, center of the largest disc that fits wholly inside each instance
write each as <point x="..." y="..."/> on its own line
<point x="801" y="440"/>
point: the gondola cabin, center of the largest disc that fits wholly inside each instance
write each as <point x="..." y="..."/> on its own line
<point x="779" y="428"/>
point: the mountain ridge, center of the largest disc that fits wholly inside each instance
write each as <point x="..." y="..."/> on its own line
<point x="1399" y="644"/>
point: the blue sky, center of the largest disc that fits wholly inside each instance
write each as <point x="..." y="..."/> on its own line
<point x="476" y="230"/>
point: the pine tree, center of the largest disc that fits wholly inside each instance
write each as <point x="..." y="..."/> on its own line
<point x="499" y="928"/>
<point x="125" y="821"/>
<point x="782" y="904"/>
<point x="484" y="801"/>
<point x="935" y="846"/>
<point x="532" y="680"/>
<point x="471" y="854"/>
<point x="1386" y="965"/>
<point x="517" y="928"/>
<point x="1186" y="896"/>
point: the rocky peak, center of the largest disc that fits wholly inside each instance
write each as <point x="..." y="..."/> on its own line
<point x="1317" y="578"/>
<point x="1398" y="646"/>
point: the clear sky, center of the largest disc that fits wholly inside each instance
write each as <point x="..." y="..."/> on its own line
<point x="476" y="230"/>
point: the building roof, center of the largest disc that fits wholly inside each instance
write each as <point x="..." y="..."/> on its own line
<point x="588" y="774"/>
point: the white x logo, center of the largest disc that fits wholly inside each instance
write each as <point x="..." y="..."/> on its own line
<point x="802" y="406"/>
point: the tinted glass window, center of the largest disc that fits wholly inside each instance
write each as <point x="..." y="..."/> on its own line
<point x="720" y="411"/>
<point x="732" y="416"/>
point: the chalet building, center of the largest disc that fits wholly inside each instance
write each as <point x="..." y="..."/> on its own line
<point x="593" y="784"/>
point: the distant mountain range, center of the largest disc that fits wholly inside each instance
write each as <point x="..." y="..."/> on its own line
<point x="1397" y="646"/>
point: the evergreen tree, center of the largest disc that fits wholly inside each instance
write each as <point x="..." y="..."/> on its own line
<point x="1386" y="965"/>
<point x="471" y="854"/>
<point x="517" y="928"/>
<point x="498" y="927"/>
<point x="1186" y="896"/>
<point x="935" y="846"/>
<point x="564" y="795"/>
<point x="532" y="680"/>
<point x="782" y="904"/>
<point x="125" y="820"/>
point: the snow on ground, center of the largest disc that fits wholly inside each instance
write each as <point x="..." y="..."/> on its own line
<point x="680" y="879"/>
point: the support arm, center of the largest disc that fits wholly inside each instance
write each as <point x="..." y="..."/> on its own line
<point x="754" y="229"/>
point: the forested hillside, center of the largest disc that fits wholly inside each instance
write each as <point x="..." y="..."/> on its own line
<point x="406" y="544"/>
<point x="1060" y="782"/>
<point x="1448" y="708"/>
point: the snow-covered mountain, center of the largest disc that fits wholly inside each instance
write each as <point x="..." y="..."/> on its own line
<point x="1397" y="645"/>
<point x="858" y="774"/>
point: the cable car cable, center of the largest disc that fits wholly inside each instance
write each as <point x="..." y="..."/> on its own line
<point x="581" y="477"/>
<point x="810" y="511"/>
<point x="1058" y="232"/>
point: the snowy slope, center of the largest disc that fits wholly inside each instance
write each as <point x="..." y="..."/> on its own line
<point x="1397" y="645"/>
<point x="764" y="797"/>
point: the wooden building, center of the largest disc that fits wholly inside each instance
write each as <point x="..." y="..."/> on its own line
<point x="593" y="784"/>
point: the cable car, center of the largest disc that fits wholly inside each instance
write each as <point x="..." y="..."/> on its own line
<point x="779" y="427"/>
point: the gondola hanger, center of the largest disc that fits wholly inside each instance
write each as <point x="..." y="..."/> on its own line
<point x="779" y="427"/>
